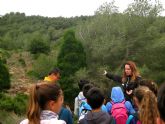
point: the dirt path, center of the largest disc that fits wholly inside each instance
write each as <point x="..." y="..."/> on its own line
<point x="20" y="82"/>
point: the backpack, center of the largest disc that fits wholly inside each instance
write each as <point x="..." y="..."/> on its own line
<point x="132" y="120"/>
<point x="83" y="110"/>
<point x="119" y="112"/>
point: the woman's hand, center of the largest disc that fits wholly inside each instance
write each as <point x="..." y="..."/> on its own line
<point x="105" y="72"/>
<point x="129" y="92"/>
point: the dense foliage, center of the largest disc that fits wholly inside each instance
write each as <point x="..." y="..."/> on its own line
<point x="4" y="76"/>
<point x="103" y="41"/>
<point x="71" y="58"/>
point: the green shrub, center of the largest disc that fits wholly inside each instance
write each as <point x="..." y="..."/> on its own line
<point x="17" y="104"/>
<point x="42" y="66"/>
<point x="22" y="62"/>
<point x="4" y="77"/>
<point x="71" y="58"/>
<point x="20" y="103"/>
<point x="6" y="103"/>
<point x="37" y="46"/>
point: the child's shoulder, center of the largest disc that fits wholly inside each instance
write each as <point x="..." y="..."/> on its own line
<point x="52" y="121"/>
<point x="24" y="121"/>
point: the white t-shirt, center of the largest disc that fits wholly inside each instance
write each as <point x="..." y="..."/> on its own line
<point x="51" y="121"/>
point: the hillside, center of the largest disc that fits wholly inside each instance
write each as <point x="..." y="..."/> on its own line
<point x="83" y="47"/>
<point x="20" y="81"/>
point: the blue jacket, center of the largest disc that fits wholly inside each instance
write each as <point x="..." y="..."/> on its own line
<point x="66" y="115"/>
<point x="117" y="96"/>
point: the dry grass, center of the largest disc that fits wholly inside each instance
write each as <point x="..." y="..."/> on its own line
<point x="9" y="118"/>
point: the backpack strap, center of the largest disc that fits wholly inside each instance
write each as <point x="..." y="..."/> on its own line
<point x="112" y="102"/>
<point x="81" y="99"/>
<point x="123" y="101"/>
<point x="129" y="119"/>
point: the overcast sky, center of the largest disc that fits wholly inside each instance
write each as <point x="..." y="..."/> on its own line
<point x="55" y="8"/>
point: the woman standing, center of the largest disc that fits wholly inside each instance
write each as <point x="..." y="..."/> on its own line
<point x="129" y="80"/>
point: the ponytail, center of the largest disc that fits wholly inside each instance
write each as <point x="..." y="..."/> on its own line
<point x="148" y="108"/>
<point x="34" y="109"/>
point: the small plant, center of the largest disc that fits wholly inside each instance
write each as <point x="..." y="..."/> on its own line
<point x="22" y="62"/>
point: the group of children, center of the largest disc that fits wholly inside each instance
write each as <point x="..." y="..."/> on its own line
<point x="142" y="109"/>
<point x="46" y="100"/>
<point x="128" y="104"/>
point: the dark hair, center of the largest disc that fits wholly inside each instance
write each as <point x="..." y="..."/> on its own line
<point x="95" y="98"/>
<point x="81" y="84"/>
<point x="161" y="101"/>
<point x="54" y="71"/>
<point x="150" y="84"/>
<point x="140" y="92"/>
<point x="86" y="88"/>
<point x="40" y="94"/>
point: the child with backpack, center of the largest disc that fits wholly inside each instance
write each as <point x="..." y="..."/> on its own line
<point x="85" y="107"/>
<point x="80" y="98"/>
<point x="95" y="99"/>
<point x="118" y="107"/>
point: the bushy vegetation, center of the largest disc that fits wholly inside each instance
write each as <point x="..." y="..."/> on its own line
<point x="17" y="104"/>
<point x="103" y="41"/>
<point x="42" y="66"/>
<point x="4" y="76"/>
<point x="71" y="58"/>
<point x="112" y="38"/>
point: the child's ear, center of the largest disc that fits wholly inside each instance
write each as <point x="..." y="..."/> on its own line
<point x="51" y="104"/>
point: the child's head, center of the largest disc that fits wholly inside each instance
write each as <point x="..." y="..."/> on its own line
<point x="150" y="84"/>
<point x="86" y="88"/>
<point x="148" y="109"/>
<point x="138" y="94"/>
<point x="147" y="105"/>
<point x="55" y="74"/>
<point x="95" y="98"/>
<point x="117" y="95"/>
<point x="161" y="102"/>
<point x="44" y="96"/>
<point x="81" y="84"/>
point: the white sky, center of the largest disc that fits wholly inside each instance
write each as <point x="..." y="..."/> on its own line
<point x="55" y="8"/>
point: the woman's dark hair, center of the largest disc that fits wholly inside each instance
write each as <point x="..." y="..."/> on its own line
<point x="140" y="92"/>
<point x="81" y="84"/>
<point x="54" y="71"/>
<point x="95" y="98"/>
<point x="40" y="94"/>
<point x="86" y="88"/>
<point x="150" y="84"/>
<point x="161" y="101"/>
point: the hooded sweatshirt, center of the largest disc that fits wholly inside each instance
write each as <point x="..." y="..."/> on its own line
<point x="97" y="118"/>
<point x="117" y="96"/>
<point x="78" y="100"/>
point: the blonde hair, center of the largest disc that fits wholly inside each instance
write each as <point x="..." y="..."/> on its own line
<point x="40" y="94"/>
<point x="148" y="111"/>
